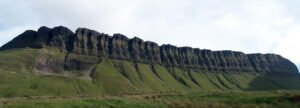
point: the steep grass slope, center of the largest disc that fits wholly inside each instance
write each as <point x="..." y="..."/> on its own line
<point x="18" y="77"/>
<point x="21" y="75"/>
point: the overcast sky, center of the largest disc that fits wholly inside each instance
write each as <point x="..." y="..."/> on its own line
<point x="251" y="26"/>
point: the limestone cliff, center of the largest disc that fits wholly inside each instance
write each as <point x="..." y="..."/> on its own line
<point x="92" y="43"/>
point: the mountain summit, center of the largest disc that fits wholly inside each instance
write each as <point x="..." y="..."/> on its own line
<point x="97" y="62"/>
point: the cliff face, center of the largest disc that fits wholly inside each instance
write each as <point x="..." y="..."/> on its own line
<point x="118" y="46"/>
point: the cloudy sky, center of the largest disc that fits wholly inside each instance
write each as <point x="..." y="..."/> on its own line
<point x="264" y="26"/>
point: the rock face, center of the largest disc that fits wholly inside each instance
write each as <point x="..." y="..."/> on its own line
<point x="92" y="43"/>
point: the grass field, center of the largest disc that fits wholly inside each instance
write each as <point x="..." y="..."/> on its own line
<point x="271" y="99"/>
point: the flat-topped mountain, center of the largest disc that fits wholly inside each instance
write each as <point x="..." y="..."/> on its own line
<point x="91" y="62"/>
<point x="92" y="43"/>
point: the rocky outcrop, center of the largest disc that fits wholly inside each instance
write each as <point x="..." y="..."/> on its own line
<point x="92" y="43"/>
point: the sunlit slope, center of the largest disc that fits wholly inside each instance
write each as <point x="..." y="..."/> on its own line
<point x="18" y="77"/>
<point x="21" y="72"/>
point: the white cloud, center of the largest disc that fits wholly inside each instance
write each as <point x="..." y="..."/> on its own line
<point x="228" y="21"/>
<point x="289" y="44"/>
<point x="266" y="26"/>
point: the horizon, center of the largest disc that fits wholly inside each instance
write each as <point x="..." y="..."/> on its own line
<point x="266" y="26"/>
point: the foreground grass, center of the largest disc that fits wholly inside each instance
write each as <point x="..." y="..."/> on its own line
<point x="276" y="99"/>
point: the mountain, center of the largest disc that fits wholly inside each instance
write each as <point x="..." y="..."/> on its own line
<point x="57" y="61"/>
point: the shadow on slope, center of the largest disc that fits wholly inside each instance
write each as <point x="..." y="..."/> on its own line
<point x="274" y="82"/>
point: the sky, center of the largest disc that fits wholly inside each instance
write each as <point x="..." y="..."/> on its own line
<point x="251" y="26"/>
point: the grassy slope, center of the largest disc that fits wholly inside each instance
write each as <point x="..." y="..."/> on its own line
<point x="116" y="76"/>
<point x="18" y="61"/>
<point x="110" y="80"/>
<point x="18" y="78"/>
<point x="16" y="85"/>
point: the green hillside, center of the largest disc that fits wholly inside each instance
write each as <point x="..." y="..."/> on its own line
<point x="20" y="77"/>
